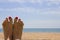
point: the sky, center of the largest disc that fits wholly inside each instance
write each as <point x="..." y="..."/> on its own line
<point x="34" y="13"/>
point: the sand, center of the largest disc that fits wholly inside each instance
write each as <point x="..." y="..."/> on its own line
<point x="37" y="36"/>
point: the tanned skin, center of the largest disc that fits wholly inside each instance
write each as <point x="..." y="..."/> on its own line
<point x="10" y="28"/>
<point x="20" y="28"/>
<point x="15" y="30"/>
<point x="12" y="31"/>
<point x="5" y="28"/>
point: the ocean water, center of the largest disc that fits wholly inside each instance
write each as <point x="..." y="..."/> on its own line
<point x="39" y="30"/>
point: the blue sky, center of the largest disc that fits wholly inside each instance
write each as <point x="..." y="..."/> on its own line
<point x="34" y="13"/>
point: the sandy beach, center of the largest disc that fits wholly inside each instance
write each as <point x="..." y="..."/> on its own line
<point x="37" y="36"/>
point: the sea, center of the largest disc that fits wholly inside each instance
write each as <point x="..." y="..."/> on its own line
<point x="39" y="30"/>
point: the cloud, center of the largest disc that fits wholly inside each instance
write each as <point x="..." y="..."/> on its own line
<point x="3" y="1"/>
<point x="35" y="1"/>
<point x="32" y="10"/>
<point x="42" y="24"/>
<point x="55" y="11"/>
<point x="21" y="1"/>
<point x="40" y="2"/>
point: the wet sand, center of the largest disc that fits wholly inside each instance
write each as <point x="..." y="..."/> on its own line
<point x="37" y="36"/>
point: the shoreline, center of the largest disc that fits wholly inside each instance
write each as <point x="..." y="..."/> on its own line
<point x="37" y="36"/>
